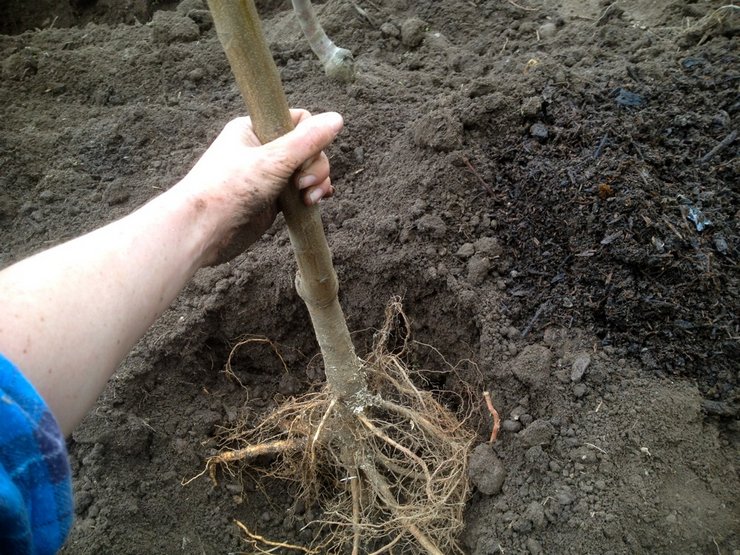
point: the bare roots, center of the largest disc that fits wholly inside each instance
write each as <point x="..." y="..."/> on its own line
<point x="389" y="476"/>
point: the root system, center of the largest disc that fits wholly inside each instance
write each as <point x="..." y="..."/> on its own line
<point x="390" y="477"/>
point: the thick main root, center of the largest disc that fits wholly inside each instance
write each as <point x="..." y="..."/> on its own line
<point x="390" y="477"/>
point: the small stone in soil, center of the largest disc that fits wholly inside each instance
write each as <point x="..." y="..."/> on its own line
<point x="579" y="390"/>
<point x="532" y="365"/>
<point x="580" y="365"/>
<point x="196" y="75"/>
<point x="478" y="268"/>
<point x="539" y="131"/>
<point x="531" y="107"/>
<point x="488" y="246"/>
<point x="412" y="32"/>
<point x="466" y="250"/>
<point x="486" y="471"/>
<point x="533" y="546"/>
<point x="389" y="29"/>
<point x="628" y="99"/>
<point x="511" y="426"/>
<point x="547" y="30"/>
<point x="539" y="432"/>
<point x="720" y="243"/>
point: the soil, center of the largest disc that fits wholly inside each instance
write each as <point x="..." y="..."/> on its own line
<point x="551" y="186"/>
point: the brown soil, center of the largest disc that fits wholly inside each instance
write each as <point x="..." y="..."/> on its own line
<point x="529" y="177"/>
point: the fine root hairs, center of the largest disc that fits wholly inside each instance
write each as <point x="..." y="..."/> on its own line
<point x="389" y="477"/>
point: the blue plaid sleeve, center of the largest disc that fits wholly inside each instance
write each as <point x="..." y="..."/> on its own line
<point x="36" y="507"/>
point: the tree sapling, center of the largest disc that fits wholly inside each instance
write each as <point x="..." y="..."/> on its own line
<point x="385" y="460"/>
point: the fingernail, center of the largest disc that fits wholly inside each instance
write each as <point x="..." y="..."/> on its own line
<point x="315" y="196"/>
<point x="335" y="121"/>
<point x="306" y="181"/>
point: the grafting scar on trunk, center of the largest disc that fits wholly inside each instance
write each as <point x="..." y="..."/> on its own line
<point x="240" y="33"/>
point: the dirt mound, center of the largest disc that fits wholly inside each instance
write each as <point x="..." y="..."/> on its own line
<point x="549" y="185"/>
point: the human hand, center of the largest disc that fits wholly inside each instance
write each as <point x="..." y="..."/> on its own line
<point x="238" y="180"/>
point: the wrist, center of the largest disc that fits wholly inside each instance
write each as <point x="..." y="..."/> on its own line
<point x="195" y="218"/>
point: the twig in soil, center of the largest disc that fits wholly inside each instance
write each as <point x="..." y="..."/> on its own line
<point x="602" y="144"/>
<point x="595" y="447"/>
<point x="606" y="14"/>
<point x="261" y="539"/>
<point x="537" y="314"/>
<point x="482" y="181"/>
<point x="723" y="144"/>
<point x="363" y="14"/>
<point x="494" y="414"/>
<point x="373" y="4"/>
<point x="522" y="7"/>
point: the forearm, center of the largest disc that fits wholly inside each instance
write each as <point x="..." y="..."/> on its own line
<point x="69" y="315"/>
<point x="72" y="313"/>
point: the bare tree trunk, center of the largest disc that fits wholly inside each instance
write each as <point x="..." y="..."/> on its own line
<point x="239" y="30"/>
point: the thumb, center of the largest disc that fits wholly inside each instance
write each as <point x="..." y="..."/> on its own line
<point x="310" y="136"/>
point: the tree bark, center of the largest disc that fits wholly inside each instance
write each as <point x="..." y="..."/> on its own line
<point x="240" y="32"/>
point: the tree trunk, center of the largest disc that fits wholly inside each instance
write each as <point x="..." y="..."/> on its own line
<point x="240" y="32"/>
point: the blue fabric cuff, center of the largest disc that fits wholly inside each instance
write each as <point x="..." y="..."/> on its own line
<point x="36" y="505"/>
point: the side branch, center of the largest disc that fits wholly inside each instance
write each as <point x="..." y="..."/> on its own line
<point x="338" y="62"/>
